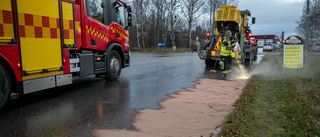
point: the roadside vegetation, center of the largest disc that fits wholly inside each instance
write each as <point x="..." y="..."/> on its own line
<point x="278" y="102"/>
<point x="160" y="50"/>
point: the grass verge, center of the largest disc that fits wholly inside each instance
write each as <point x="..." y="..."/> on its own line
<point x="160" y="50"/>
<point x="278" y="102"/>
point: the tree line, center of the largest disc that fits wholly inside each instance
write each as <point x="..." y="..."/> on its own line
<point x="314" y="20"/>
<point x="176" y="22"/>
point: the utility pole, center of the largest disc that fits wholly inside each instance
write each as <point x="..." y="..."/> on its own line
<point x="172" y="37"/>
<point x="306" y="34"/>
<point x="282" y="44"/>
<point x="282" y="39"/>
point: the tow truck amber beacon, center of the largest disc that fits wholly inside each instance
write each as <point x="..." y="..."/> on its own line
<point x="45" y="43"/>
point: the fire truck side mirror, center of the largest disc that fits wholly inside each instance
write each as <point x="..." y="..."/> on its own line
<point x="253" y="20"/>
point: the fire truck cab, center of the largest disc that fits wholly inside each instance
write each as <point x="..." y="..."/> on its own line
<point x="45" y="43"/>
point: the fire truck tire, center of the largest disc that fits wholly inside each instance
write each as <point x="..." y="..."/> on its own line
<point x="114" y="66"/>
<point x="5" y="87"/>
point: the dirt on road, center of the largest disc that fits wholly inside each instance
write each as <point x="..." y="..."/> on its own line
<point x="194" y="113"/>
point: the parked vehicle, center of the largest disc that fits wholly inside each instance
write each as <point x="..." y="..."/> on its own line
<point x="277" y="46"/>
<point x="316" y="47"/>
<point x="268" y="47"/>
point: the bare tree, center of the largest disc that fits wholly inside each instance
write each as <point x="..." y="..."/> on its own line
<point x="190" y="9"/>
<point x="154" y="21"/>
<point x="173" y="19"/>
<point x="159" y="8"/>
<point x="140" y="16"/>
<point x="213" y="6"/>
<point x="314" y="33"/>
<point x="137" y="4"/>
<point x="230" y="2"/>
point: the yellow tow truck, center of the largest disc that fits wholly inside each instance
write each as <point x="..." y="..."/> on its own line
<point x="236" y="20"/>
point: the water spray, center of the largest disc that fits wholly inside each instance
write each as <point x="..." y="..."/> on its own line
<point x="243" y="74"/>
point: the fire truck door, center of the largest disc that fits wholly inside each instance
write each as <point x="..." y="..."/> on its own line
<point x="40" y="40"/>
<point x="96" y="32"/>
<point x="68" y="24"/>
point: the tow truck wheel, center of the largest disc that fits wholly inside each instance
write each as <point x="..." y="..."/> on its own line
<point x="5" y="87"/>
<point x="114" y="66"/>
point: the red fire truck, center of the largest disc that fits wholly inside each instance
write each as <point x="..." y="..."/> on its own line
<point x="45" y="43"/>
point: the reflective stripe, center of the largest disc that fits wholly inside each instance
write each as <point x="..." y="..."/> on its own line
<point x="224" y="39"/>
<point x="96" y="33"/>
<point x="222" y="66"/>
<point x="224" y="51"/>
<point x="228" y="48"/>
<point x="224" y="72"/>
<point x="229" y="71"/>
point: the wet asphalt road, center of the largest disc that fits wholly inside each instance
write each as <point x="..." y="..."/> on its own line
<point x="92" y="103"/>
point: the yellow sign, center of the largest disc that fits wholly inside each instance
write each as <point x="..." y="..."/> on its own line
<point x="223" y="14"/>
<point x="293" y="56"/>
<point x="217" y="47"/>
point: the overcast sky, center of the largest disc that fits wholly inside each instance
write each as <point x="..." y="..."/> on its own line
<point x="273" y="16"/>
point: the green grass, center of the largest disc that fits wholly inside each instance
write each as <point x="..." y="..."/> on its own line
<point x="278" y="102"/>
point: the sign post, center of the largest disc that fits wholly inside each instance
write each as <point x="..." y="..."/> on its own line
<point x="172" y="37"/>
<point x="293" y="53"/>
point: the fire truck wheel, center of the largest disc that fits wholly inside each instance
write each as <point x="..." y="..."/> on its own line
<point x="5" y="87"/>
<point x="114" y="66"/>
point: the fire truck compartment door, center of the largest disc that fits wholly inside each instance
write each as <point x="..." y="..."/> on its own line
<point x="40" y="40"/>
<point x="68" y="23"/>
<point x="6" y="22"/>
